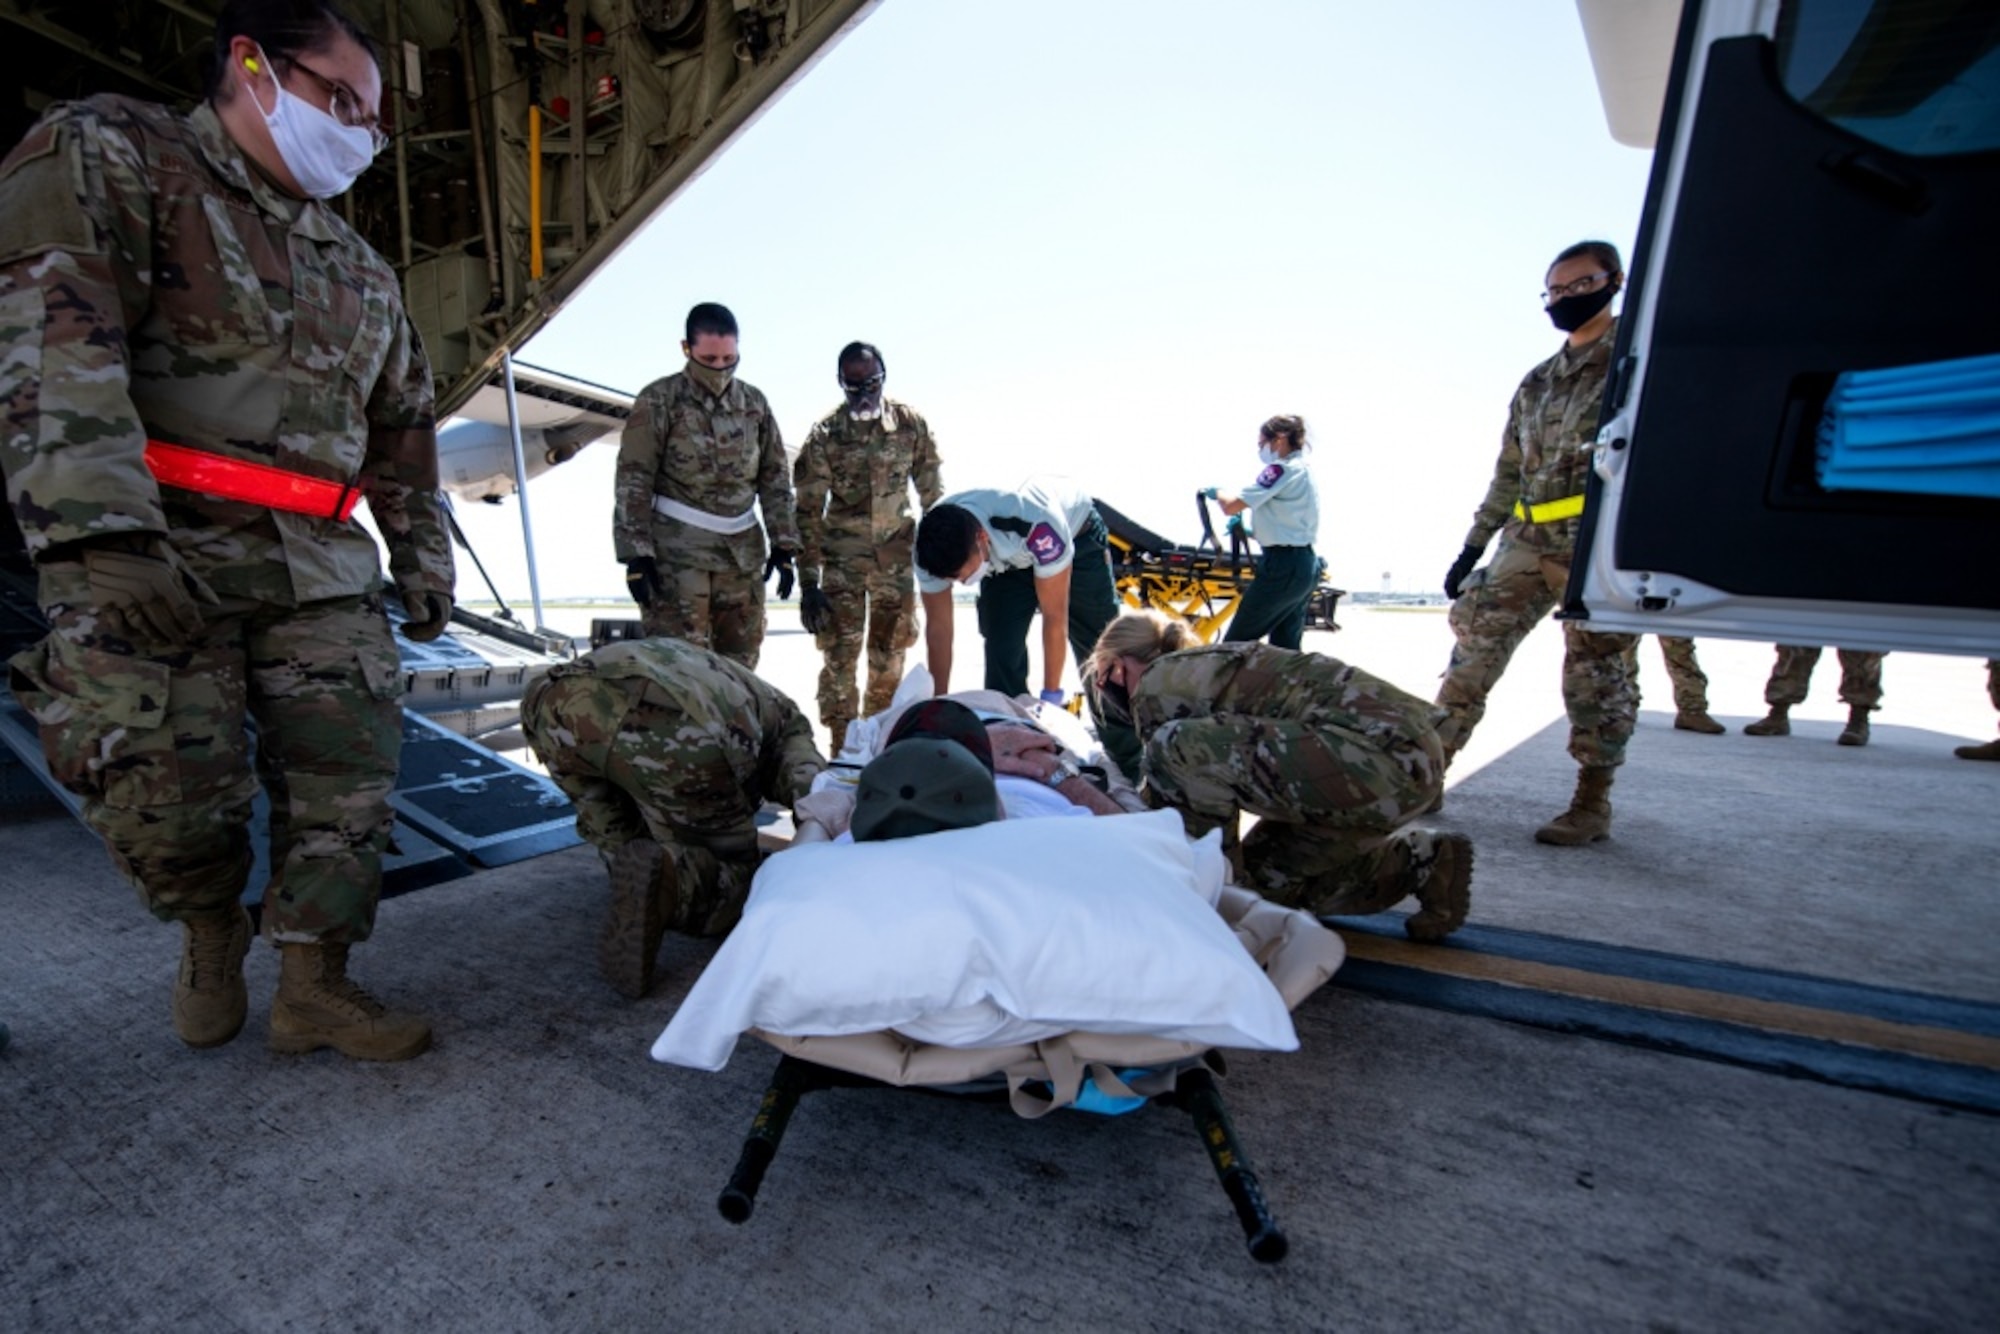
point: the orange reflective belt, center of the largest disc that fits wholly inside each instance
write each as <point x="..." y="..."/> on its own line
<point x="1550" y="510"/>
<point x="256" y="483"/>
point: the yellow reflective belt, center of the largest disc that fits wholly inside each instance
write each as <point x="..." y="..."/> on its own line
<point x="1550" y="510"/>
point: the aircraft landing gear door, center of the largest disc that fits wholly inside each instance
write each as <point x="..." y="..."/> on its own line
<point x="1825" y="198"/>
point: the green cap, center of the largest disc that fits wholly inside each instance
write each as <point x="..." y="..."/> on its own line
<point x="921" y="786"/>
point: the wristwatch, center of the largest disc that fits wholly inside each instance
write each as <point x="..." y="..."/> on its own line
<point x="1064" y="771"/>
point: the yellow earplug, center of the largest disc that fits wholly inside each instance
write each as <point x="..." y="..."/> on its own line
<point x="250" y="63"/>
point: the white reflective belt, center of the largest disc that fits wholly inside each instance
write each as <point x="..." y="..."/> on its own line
<point x="714" y="523"/>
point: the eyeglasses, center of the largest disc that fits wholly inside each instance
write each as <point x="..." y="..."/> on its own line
<point x="1577" y="288"/>
<point x="344" y="104"/>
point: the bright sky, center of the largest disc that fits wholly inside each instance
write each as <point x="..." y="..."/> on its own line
<point x="1107" y="238"/>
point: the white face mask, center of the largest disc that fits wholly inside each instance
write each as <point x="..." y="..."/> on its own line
<point x="976" y="575"/>
<point x="323" y="155"/>
<point x="1269" y="454"/>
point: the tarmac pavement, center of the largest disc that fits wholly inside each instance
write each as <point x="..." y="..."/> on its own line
<point x="1433" y="1170"/>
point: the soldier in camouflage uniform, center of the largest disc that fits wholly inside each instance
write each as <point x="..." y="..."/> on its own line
<point x="852" y="478"/>
<point x="200" y="366"/>
<point x="668" y="750"/>
<point x="1791" y="675"/>
<point x="1690" y="687"/>
<point x="1335" y="763"/>
<point x="1989" y="750"/>
<point x="1534" y="502"/>
<point x="700" y="449"/>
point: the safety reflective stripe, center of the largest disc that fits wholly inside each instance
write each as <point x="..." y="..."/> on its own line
<point x="255" y="483"/>
<point x="668" y="507"/>
<point x="1550" y="510"/>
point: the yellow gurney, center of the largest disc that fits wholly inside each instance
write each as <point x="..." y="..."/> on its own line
<point x="1200" y="584"/>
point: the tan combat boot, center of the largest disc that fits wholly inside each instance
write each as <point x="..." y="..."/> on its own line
<point x="209" y="997"/>
<point x="1776" y="723"/>
<point x="1698" y="720"/>
<point x="1443" y="867"/>
<point x="317" y="1006"/>
<point x="1589" y="815"/>
<point x="1856" y="731"/>
<point x="1989" y="751"/>
<point x="645" y="899"/>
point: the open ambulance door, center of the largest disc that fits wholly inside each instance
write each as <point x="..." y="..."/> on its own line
<point x="1825" y="197"/>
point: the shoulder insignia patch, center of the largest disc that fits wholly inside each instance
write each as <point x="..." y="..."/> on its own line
<point x="1271" y="475"/>
<point x="1045" y="544"/>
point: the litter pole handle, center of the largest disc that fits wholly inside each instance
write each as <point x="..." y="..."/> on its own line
<point x="1198" y="1093"/>
<point x="1209" y="538"/>
<point x="760" y="1146"/>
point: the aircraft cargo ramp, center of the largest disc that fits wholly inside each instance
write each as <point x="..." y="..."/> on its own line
<point x="1439" y="1160"/>
<point x="459" y="806"/>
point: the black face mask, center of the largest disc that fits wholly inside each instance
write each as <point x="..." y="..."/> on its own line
<point x="1115" y="702"/>
<point x="863" y="395"/>
<point x="1573" y="312"/>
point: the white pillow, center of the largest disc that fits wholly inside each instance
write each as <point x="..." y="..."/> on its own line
<point x="1105" y="926"/>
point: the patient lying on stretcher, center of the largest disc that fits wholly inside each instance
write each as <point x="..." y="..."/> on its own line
<point x="938" y="923"/>
<point x="1029" y="770"/>
<point x="940" y="944"/>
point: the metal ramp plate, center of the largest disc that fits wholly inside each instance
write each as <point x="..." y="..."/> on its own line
<point x="453" y="798"/>
<point x="413" y="861"/>
<point x="481" y="805"/>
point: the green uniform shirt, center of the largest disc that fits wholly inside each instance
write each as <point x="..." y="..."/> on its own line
<point x="717" y="455"/>
<point x="720" y="697"/>
<point x="852" y="479"/>
<point x="1254" y="681"/>
<point x="154" y="283"/>
<point x="1546" y="449"/>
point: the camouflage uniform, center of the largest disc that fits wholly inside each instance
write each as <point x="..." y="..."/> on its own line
<point x="1333" y="760"/>
<point x="718" y="457"/>
<point x="1989" y="750"/>
<point x="154" y="284"/>
<point x="1690" y="681"/>
<point x="660" y="739"/>
<point x="1544" y="457"/>
<point x="1791" y="675"/>
<point x="853" y="479"/>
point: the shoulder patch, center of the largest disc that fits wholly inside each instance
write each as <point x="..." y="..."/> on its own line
<point x="39" y="207"/>
<point x="1045" y="544"/>
<point x="1273" y="473"/>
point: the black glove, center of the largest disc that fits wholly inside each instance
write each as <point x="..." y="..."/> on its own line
<point x="781" y="564"/>
<point x="1460" y="568"/>
<point x="429" y="613"/>
<point x="147" y="591"/>
<point x="815" y="610"/>
<point x="642" y="580"/>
